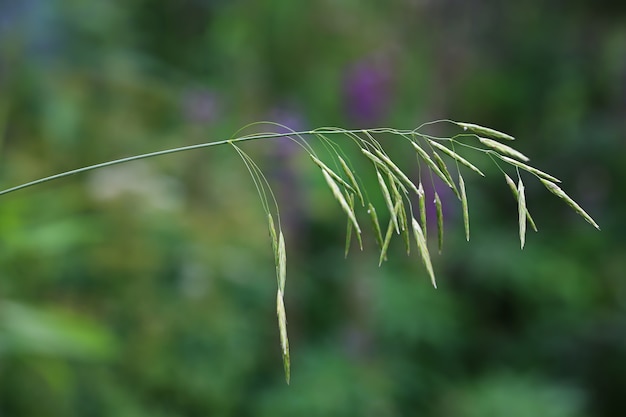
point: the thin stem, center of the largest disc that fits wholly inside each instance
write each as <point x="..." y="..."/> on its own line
<point x="319" y="132"/>
<point x="182" y="149"/>
<point x="146" y="155"/>
<point x="121" y="161"/>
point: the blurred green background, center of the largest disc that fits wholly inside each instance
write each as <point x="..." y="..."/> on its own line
<point x="147" y="289"/>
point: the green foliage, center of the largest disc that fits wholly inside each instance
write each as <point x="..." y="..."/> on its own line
<point x="25" y="330"/>
<point x="344" y="193"/>
<point x="514" y="396"/>
<point x="176" y="268"/>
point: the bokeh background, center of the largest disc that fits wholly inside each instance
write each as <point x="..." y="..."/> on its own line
<point x="147" y="289"/>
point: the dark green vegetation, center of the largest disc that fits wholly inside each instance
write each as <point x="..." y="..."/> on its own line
<point x="148" y="289"/>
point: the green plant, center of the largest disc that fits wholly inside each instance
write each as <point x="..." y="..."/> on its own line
<point x="395" y="185"/>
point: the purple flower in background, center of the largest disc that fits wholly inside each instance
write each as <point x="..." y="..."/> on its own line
<point x="292" y="120"/>
<point x="367" y="91"/>
<point x="283" y="172"/>
<point x="34" y="24"/>
<point x="447" y="197"/>
<point x="200" y="106"/>
<point x="288" y="117"/>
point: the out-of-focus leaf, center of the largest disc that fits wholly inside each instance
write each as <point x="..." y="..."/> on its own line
<point x="50" y="332"/>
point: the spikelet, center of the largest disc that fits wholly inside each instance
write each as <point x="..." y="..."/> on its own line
<point x="465" y="207"/>
<point x="375" y="224"/>
<point x="396" y="170"/>
<point x="332" y="174"/>
<point x="274" y="238"/>
<point x="423" y="250"/>
<point x="342" y="201"/>
<point x="358" y="235"/>
<point x="513" y="188"/>
<point x="401" y="213"/>
<point x="502" y="148"/>
<point x="376" y="160"/>
<point x="348" y="238"/>
<point x="442" y="166"/>
<point x="492" y="133"/>
<point x="456" y="156"/>
<point x="383" y="250"/>
<point x="422" y="154"/>
<point x="422" y="207"/>
<point x="521" y="208"/>
<point x="556" y="190"/>
<point x="282" y="263"/>
<point x="349" y="228"/>
<point x="388" y="201"/>
<point x="439" y="221"/>
<point x="284" y="340"/>
<point x="385" y="168"/>
<point x="351" y="178"/>
<point x="529" y="168"/>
